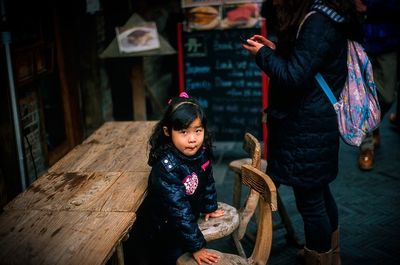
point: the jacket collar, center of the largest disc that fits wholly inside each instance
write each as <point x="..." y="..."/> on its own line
<point x="181" y="156"/>
<point x="172" y="157"/>
<point x="328" y="11"/>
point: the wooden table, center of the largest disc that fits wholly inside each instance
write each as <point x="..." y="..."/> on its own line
<point x="61" y="237"/>
<point x="82" y="208"/>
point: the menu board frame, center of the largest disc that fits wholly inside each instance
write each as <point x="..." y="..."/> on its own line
<point x="214" y="71"/>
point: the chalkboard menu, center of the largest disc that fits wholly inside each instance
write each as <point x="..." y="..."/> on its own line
<point x="226" y="80"/>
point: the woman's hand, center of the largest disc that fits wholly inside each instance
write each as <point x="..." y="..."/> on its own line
<point x="216" y="213"/>
<point x="205" y="256"/>
<point x="263" y="40"/>
<point x="256" y="42"/>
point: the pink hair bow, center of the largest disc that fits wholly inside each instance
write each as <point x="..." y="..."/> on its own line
<point x="181" y="95"/>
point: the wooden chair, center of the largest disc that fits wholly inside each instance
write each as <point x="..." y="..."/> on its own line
<point x="235" y="166"/>
<point x="261" y="184"/>
<point x="220" y="227"/>
<point x="251" y="145"/>
<point x="216" y="228"/>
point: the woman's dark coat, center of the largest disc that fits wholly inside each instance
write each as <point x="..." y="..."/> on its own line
<point x="303" y="136"/>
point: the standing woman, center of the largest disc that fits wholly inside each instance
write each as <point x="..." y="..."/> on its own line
<point x="303" y="136"/>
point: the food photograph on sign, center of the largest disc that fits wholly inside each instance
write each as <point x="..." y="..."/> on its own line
<point x="240" y="15"/>
<point x="138" y="38"/>
<point x="203" y="17"/>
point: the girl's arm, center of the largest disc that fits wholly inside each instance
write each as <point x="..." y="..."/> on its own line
<point x="209" y="202"/>
<point x="173" y="198"/>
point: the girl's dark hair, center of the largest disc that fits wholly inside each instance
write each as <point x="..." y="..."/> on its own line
<point x="179" y="114"/>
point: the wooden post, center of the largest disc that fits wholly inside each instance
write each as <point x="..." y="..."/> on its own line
<point x="138" y="90"/>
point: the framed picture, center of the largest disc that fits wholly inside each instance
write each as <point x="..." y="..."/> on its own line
<point x="137" y="38"/>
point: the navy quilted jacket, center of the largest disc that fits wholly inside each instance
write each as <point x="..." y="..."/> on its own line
<point x="180" y="188"/>
<point x="303" y="136"/>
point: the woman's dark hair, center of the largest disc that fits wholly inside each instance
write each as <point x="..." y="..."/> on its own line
<point x="290" y="13"/>
<point x="180" y="113"/>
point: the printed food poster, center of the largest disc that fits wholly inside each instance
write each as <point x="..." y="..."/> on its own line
<point x="194" y="3"/>
<point x="243" y="15"/>
<point x="203" y="17"/>
<point x="138" y="38"/>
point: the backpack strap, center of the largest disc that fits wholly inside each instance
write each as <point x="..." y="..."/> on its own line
<point x="302" y="22"/>
<point x="321" y="81"/>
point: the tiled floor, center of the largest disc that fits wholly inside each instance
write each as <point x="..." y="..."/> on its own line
<point x="368" y="204"/>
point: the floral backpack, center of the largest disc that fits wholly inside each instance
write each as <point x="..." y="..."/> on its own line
<point x="357" y="109"/>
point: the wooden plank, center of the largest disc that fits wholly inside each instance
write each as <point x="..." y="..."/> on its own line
<point x="122" y="133"/>
<point x="116" y="146"/>
<point x="48" y="237"/>
<point x="99" y="191"/>
<point x="127" y="193"/>
<point x="106" y="131"/>
<point x="130" y="158"/>
<point x="103" y="158"/>
<point x="73" y="161"/>
<point x="106" y="158"/>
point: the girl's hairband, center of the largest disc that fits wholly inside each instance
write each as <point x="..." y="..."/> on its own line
<point x="181" y="95"/>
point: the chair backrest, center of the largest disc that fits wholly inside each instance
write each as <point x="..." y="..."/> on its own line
<point x="253" y="148"/>
<point x="261" y="183"/>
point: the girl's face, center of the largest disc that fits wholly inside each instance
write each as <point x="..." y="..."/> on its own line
<point x="188" y="141"/>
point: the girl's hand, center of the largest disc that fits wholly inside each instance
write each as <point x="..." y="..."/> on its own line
<point x="257" y="42"/>
<point x="205" y="256"/>
<point x="216" y="213"/>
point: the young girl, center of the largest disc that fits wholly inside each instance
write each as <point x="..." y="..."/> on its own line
<point x="181" y="186"/>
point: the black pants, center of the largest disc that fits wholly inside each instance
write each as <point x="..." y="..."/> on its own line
<point x="159" y="248"/>
<point x="320" y="216"/>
